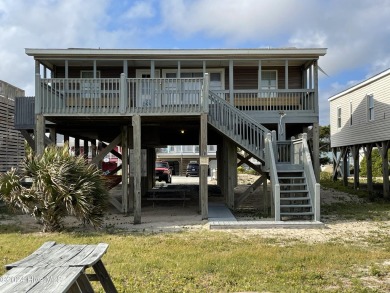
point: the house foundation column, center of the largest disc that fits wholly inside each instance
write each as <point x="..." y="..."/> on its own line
<point x="125" y="174"/>
<point x="383" y="150"/>
<point x="367" y="152"/>
<point x="39" y="134"/>
<point x="137" y="167"/>
<point x="203" y="167"/>
<point x="345" y="166"/>
<point x="230" y="171"/>
<point x="316" y="151"/>
<point x="356" y="169"/>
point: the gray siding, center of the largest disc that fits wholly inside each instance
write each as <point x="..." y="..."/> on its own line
<point x="11" y="141"/>
<point x="362" y="130"/>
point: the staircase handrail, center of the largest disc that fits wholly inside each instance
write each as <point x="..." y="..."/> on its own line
<point x="271" y="165"/>
<point x="312" y="185"/>
<point x="251" y="137"/>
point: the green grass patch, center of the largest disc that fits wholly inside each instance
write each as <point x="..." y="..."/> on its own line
<point x="375" y="211"/>
<point x="207" y="261"/>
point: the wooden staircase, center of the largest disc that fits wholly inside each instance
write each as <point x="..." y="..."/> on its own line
<point x="294" y="189"/>
<point x="295" y="201"/>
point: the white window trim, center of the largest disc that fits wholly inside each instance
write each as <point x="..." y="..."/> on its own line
<point x="208" y="70"/>
<point x="368" y="107"/>
<point x="350" y="114"/>
<point x="276" y="76"/>
<point x="337" y="117"/>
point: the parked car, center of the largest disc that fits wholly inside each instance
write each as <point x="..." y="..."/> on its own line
<point x="192" y="169"/>
<point x="163" y="172"/>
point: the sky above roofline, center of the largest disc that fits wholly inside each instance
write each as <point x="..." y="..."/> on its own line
<point x="356" y="33"/>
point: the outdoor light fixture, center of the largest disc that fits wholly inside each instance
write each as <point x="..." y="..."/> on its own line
<point x="182" y="131"/>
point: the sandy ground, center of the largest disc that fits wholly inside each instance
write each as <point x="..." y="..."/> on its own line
<point x="168" y="217"/>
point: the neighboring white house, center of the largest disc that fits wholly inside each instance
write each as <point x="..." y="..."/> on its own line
<point x="360" y="118"/>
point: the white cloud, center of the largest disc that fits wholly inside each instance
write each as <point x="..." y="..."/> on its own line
<point x="141" y="9"/>
<point x="47" y="24"/>
<point x="234" y="21"/>
<point x="356" y="33"/>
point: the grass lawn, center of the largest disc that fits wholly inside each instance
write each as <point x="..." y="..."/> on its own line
<point x="207" y="261"/>
<point x="211" y="261"/>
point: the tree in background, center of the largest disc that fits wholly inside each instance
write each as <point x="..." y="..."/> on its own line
<point x="324" y="144"/>
<point x="376" y="164"/>
<point x="61" y="185"/>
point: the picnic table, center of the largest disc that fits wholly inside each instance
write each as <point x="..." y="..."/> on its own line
<point x="58" y="268"/>
<point x="166" y="194"/>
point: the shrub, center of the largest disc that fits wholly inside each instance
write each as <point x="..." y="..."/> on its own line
<point x="61" y="185"/>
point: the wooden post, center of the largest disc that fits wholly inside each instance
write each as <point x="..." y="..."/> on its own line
<point x="231" y="82"/>
<point x="125" y="175"/>
<point x="123" y="94"/>
<point x="203" y="167"/>
<point x="137" y="167"/>
<point x="383" y="151"/>
<point x="367" y="152"/>
<point x="356" y="169"/>
<point x="345" y="166"/>
<point x="93" y="148"/>
<point x="130" y="193"/>
<point x="231" y="171"/>
<point x="334" y="159"/>
<point x="220" y="176"/>
<point x="76" y="146"/>
<point x="316" y="151"/>
<point x="40" y="134"/>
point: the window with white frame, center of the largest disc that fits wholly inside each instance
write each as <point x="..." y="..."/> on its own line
<point x="370" y="107"/>
<point x="269" y="82"/>
<point x="338" y="117"/>
<point x="350" y="113"/>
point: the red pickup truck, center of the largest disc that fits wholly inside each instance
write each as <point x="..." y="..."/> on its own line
<point x="163" y="172"/>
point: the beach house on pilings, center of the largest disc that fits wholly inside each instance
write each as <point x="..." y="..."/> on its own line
<point x="261" y="101"/>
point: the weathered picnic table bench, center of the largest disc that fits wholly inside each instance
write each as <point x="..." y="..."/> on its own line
<point x="58" y="268"/>
<point x="158" y="194"/>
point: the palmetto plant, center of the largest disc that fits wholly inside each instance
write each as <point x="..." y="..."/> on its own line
<point x="61" y="185"/>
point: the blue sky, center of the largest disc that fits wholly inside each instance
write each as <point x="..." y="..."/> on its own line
<point x="356" y="32"/>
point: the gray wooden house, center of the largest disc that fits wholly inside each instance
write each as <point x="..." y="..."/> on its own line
<point x="258" y="100"/>
<point x="11" y="141"/>
<point x="360" y="119"/>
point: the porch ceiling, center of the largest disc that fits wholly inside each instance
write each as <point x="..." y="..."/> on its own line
<point x="156" y="131"/>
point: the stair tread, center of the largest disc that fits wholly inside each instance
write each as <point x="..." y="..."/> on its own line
<point x="296" y="214"/>
<point x="292" y="184"/>
<point x="295" y="205"/>
<point x="295" y="198"/>
<point x="294" y="191"/>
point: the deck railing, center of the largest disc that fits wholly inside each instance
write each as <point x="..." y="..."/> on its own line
<point x="67" y="96"/>
<point x="271" y="100"/>
<point x="238" y="126"/>
<point x="154" y="96"/>
<point x="301" y="156"/>
<point x="270" y="166"/>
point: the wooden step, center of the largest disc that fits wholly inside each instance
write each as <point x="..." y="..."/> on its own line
<point x="295" y="206"/>
<point x="297" y="214"/>
<point x="294" y="191"/>
<point x="294" y="198"/>
<point x="292" y="184"/>
<point x="292" y="178"/>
